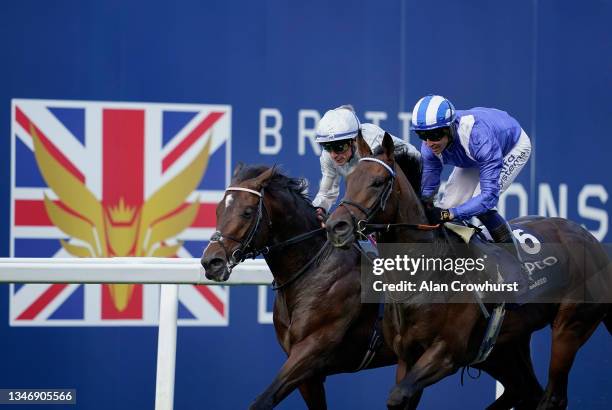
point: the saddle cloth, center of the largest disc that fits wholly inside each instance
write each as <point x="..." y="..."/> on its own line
<point x="541" y="274"/>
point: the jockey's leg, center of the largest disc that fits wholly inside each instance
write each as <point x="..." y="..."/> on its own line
<point x="514" y="161"/>
<point x="459" y="187"/>
<point x="499" y="229"/>
<point x="501" y="233"/>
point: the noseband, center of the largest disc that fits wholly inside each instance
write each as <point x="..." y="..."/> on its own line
<point x="240" y="253"/>
<point x="381" y="200"/>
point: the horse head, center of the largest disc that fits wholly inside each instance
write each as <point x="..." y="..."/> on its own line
<point x="372" y="193"/>
<point x="242" y="225"/>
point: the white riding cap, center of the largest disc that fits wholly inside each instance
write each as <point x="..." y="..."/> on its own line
<point x="338" y="124"/>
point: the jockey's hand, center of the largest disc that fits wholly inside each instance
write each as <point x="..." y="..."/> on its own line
<point x="439" y="215"/>
<point x="321" y="215"/>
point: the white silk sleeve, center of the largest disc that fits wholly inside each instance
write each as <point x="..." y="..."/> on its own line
<point x="329" y="188"/>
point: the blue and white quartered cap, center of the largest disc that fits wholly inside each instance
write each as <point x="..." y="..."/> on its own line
<point x="432" y="111"/>
<point x="338" y="124"/>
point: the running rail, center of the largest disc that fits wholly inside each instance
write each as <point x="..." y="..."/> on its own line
<point x="169" y="272"/>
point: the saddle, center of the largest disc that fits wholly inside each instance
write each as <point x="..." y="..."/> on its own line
<point x="538" y="269"/>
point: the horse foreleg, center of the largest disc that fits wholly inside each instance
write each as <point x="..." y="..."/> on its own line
<point x="435" y="363"/>
<point x="400" y="373"/>
<point x="306" y="360"/>
<point x="313" y="393"/>
<point x="572" y="327"/>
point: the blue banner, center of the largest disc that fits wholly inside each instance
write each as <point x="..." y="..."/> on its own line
<point x="90" y="81"/>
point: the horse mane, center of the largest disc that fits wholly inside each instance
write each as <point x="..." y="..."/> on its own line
<point x="298" y="187"/>
<point x="411" y="166"/>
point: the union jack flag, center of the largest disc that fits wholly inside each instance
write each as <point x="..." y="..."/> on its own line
<point x="97" y="179"/>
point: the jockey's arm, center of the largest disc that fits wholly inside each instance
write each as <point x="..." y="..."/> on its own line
<point x="329" y="188"/>
<point x="374" y="135"/>
<point x="432" y="168"/>
<point x="490" y="162"/>
<point x="404" y="148"/>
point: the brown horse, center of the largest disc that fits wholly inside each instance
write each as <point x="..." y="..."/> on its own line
<point x="319" y="319"/>
<point x="449" y="334"/>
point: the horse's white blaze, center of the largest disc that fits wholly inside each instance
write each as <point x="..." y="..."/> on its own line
<point x="228" y="200"/>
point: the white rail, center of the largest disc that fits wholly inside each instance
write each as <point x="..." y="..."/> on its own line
<point x="166" y="271"/>
<point x="125" y="270"/>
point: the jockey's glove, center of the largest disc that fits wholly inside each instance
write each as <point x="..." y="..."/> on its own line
<point x="321" y="213"/>
<point x="438" y="215"/>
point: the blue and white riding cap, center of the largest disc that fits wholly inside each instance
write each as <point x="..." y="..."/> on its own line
<point x="432" y="111"/>
<point x="338" y="124"/>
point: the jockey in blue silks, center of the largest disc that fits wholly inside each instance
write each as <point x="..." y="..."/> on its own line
<point x="487" y="147"/>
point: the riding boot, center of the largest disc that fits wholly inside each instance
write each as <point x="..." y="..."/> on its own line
<point x="501" y="233"/>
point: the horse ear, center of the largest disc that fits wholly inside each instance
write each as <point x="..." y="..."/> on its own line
<point x="239" y="166"/>
<point x="262" y="180"/>
<point x="388" y="146"/>
<point x="362" y="146"/>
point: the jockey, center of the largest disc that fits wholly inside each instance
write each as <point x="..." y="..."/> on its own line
<point x="336" y="133"/>
<point x="487" y="147"/>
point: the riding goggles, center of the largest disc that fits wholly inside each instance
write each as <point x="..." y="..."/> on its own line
<point x="434" y="135"/>
<point x="337" y="146"/>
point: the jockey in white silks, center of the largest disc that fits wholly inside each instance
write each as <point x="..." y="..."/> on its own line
<point x="336" y="133"/>
<point x="487" y="147"/>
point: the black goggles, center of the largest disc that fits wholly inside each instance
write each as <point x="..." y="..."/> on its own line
<point x="434" y="135"/>
<point x="338" y="147"/>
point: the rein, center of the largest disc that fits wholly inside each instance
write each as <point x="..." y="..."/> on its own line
<point x="270" y="248"/>
<point x="388" y="227"/>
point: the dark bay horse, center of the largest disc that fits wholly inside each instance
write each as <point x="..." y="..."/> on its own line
<point x="449" y="334"/>
<point x="318" y="318"/>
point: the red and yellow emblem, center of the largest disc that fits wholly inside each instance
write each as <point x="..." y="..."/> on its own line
<point x="116" y="226"/>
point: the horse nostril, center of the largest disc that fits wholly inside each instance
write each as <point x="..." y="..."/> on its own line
<point x="217" y="263"/>
<point x="212" y="264"/>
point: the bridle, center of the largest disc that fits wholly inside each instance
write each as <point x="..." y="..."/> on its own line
<point x="241" y="252"/>
<point x="244" y="250"/>
<point x="379" y="204"/>
<point x="363" y="225"/>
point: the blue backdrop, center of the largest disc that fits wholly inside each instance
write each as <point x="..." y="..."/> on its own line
<point x="547" y="62"/>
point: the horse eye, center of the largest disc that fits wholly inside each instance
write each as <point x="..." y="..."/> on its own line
<point x="247" y="213"/>
<point x="378" y="182"/>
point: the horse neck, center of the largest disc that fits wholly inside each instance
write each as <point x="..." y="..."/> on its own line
<point x="289" y="221"/>
<point x="410" y="211"/>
